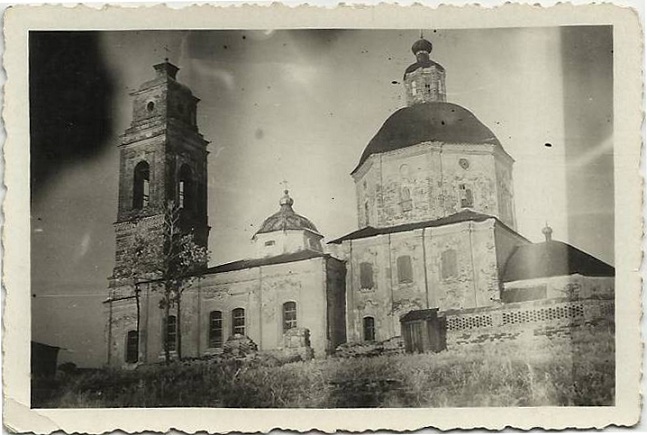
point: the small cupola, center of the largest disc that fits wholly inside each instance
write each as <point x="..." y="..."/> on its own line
<point x="548" y="233"/>
<point x="287" y="232"/>
<point x="424" y="81"/>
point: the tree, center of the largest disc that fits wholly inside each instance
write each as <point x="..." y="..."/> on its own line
<point x="167" y="256"/>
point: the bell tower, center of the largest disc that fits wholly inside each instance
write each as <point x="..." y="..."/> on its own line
<point x="162" y="158"/>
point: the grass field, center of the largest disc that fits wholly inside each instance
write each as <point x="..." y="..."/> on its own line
<point x="576" y="371"/>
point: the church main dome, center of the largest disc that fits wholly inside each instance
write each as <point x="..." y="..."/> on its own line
<point x="428" y="122"/>
<point x="286" y="219"/>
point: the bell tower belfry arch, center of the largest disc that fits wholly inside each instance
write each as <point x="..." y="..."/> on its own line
<point x="162" y="158"/>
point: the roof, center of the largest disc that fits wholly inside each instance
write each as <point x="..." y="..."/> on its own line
<point x="428" y="122"/>
<point x="552" y="258"/>
<point x="430" y="313"/>
<point x="267" y="261"/>
<point x="286" y="219"/>
<point x="461" y="216"/>
<point x="425" y="63"/>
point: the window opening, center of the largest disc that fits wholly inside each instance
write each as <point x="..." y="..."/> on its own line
<point x="171" y="333"/>
<point x="405" y="199"/>
<point x="215" y="329"/>
<point x="238" y="321"/>
<point x="366" y="275"/>
<point x="132" y="347"/>
<point x="405" y="271"/>
<point x="369" y="329"/>
<point x="185" y="187"/>
<point x="141" y="188"/>
<point x="448" y="259"/>
<point x="467" y="199"/>
<point x="289" y="316"/>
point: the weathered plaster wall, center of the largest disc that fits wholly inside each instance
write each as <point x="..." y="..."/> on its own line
<point x="286" y="242"/>
<point x="506" y="241"/>
<point x="120" y="317"/>
<point x="422" y="182"/>
<point x="433" y="76"/>
<point x="475" y="282"/>
<point x="335" y="302"/>
<point x="260" y="291"/>
<point x="505" y="190"/>
<point x="572" y="287"/>
<point x="552" y="317"/>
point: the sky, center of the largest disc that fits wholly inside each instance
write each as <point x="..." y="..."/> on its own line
<point x="297" y="108"/>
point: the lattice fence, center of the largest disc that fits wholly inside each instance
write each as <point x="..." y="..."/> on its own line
<point x="469" y="322"/>
<point x="544" y="314"/>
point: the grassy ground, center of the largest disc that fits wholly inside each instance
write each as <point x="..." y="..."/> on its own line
<point x="576" y="371"/>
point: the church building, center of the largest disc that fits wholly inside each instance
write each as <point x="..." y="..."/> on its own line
<point x="436" y="230"/>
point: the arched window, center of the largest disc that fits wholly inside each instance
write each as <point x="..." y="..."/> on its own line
<point x="467" y="199"/>
<point x="132" y="347"/>
<point x="215" y="329"/>
<point x="185" y="187"/>
<point x="238" y="321"/>
<point x="405" y="199"/>
<point x="366" y="276"/>
<point x="289" y="315"/>
<point x="170" y="333"/>
<point x="405" y="271"/>
<point x="369" y="329"/>
<point x="448" y="267"/>
<point x="141" y="186"/>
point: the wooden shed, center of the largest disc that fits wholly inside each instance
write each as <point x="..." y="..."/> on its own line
<point x="424" y="331"/>
<point x="43" y="359"/>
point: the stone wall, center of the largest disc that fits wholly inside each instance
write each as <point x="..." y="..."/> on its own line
<point x="434" y="76"/>
<point x="425" y="181"/>
<point x="551" y="317"/>
<point x="260" y="291"/>
<point x="573" y="287"/>
<point x="474" y="283"/>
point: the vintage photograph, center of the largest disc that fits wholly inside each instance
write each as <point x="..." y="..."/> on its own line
<point x="241" y="222"/>
<point x="323" y="218"/>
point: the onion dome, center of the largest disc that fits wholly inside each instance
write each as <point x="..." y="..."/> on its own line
<point x="421" y="45"/>
<point x="421" y="48"/>
<point x="428" y="122"/>
<point x="286" y="219"/>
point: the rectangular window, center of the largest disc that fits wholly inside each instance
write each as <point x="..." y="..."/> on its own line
<point x="405" y="271"/>
<point x="428" y="88"/>
<point x="366" y="275"/>
<point x="181" y="194"/>
<point x="215" y="329"/>
<point x="405" y="199"/>
<point x="369" y="329"/>
<point x="146" y="193"/>
<point x="467" y="199"/>
<point x="132" y="347"/>
<point x="270" y="243"/>
<point x="448" y="259"/>
<point x="289" y="316"/>
<point x="238" y="321"/>
<point x="170" y="327"/>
